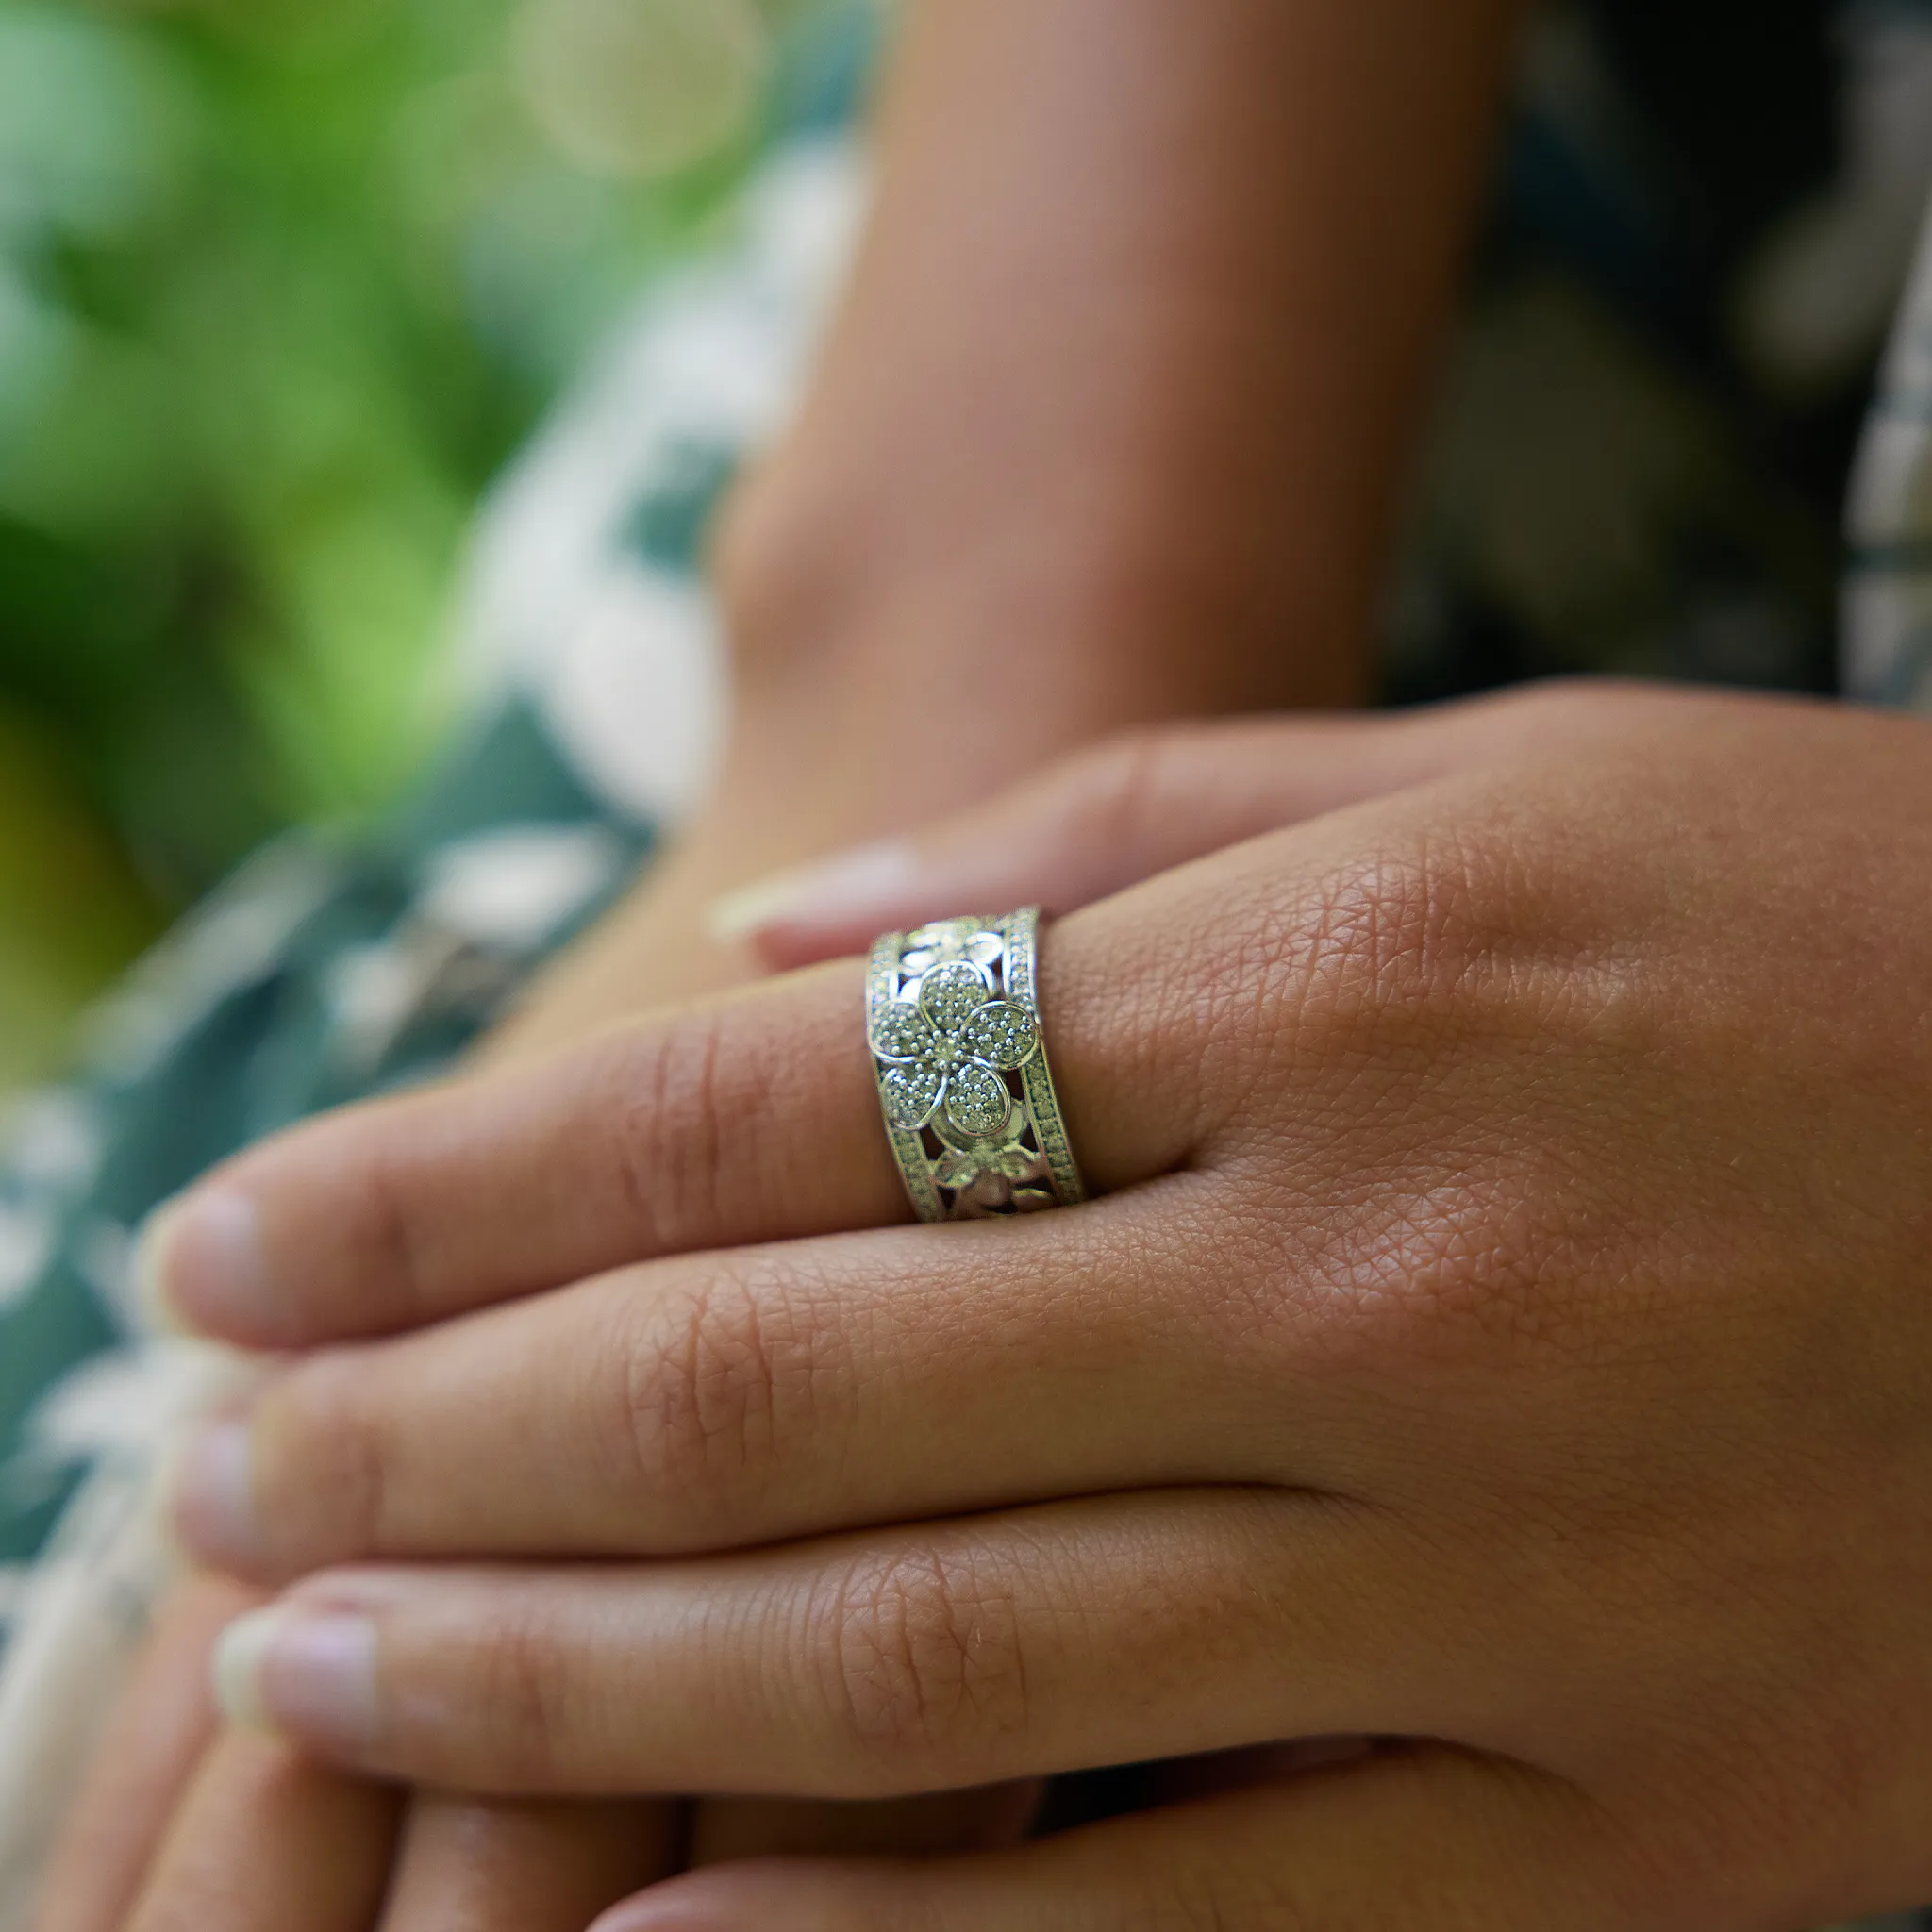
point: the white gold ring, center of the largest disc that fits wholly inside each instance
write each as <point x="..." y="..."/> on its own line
<point x="953" y="1021"/>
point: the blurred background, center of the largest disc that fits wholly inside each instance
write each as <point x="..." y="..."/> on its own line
<point x="282" y="283"/>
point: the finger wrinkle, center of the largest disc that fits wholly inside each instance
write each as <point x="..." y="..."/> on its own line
<point x="924" y="1657"/>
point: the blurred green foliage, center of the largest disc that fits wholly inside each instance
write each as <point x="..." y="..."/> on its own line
<point x="281" y="284"/>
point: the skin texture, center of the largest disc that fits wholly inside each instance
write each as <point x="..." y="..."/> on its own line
<point x="1503" y="1326"/>
<point x="1183" y="271"/>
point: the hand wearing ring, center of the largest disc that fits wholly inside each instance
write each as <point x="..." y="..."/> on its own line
<point x="1500" y="1325"/>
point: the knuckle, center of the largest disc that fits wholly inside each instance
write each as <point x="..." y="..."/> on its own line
<point x="401" y="1269"/>
<point x="737" y="541"/>
<point x="1112" y="784"/>
<point x="1582" y="701"/>
<point x="706" y="1376"/>
<point x="781" y="559"/>
<point x="924" y="1661"/>
<point x="520" y="1694"/>
<point x="1464" y="1269"/>
<point x="1414" y="946"/>
<point x="1361" y="967"/>
<point x="1121" y="797"/>
<point x="1402" y="934"/>
<point x="669" y="1107"/>
<point x="321" y="1425"/>
<point x="1559" y="703"/>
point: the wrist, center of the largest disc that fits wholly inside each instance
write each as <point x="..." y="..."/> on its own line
<point x="1082" y="606"/>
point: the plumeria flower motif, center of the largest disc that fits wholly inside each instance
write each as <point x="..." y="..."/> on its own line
<point x="960" y="1167"/>
<point x="946" y="942"/>
<point x="949" y="1048"/>
<point x="991" y="1177"/>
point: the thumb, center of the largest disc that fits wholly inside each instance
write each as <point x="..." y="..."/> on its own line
<point x="1105" y="817"/>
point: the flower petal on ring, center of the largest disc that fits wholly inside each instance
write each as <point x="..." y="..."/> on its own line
<point x="910" y="1094"/>
<point x="956" y="1170"/>
<point x="950" y="995"/>
<point x="1020" y="1163"/>
<point x="951" y="939"/>
<point x="976" y="1099"/>
<point x="900" y="1032"/>
<point x="1002" y="1033"/>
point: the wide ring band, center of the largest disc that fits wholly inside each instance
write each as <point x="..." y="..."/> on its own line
<point x="951" y="1017"/>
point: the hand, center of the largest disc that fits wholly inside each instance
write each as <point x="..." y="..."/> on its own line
<point x="252" y="1819"/>
<point x="1504" y="1330"/>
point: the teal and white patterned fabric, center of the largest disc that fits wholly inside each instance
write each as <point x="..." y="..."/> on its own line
<point x="1615" y="484"/>
<point x="329" y="969"/>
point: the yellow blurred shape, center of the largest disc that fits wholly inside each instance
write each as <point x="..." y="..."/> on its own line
<point x="635" y="89"/>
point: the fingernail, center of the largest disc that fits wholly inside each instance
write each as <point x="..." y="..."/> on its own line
<point x="152" y="1296"/>
<point x="237" y="1669"/>
<point x="199" y="1262"/>
<point x="842" y="886"/>
<point x="306" y="1674"/>
<point x="209" y="1495"/>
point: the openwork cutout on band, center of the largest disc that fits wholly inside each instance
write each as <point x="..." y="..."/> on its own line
<point x="953" y="1021"/>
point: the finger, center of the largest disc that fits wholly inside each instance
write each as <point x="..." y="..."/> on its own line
<point x="1428" y="1839"/>
<point x="960" y="1654"/>
<point x="474" y="1865"/>
<point x="266" y="1838"/>
<point x="163" y="1725"/>
<point x="726" y="1830"/>
<point x="749" y="1120"/>
<point x="1110" y="816"/>
<point x="770" y="1394"/>
<point x="752" y="1119"/>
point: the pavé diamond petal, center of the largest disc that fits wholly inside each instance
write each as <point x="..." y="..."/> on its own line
<point x="899" y="1032"/>
<point x="950" y="995"/>
<point x="1001" y="1032"/>
<point x="977" y="1100"/>
<point x="911" y="1093"/>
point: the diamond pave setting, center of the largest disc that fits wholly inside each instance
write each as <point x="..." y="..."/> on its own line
<point x="948" y="1045"/>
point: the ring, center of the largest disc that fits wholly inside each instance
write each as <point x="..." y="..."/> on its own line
<point x="953" y="1020"/>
